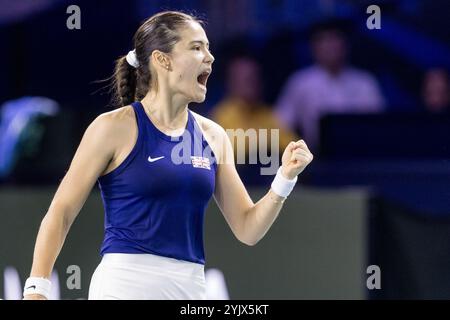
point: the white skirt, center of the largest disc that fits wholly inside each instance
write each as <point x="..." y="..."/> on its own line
<point x="124" y="276"/>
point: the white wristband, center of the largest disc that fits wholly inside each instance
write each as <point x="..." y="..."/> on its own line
<point x="282" y="186"/>
<point x="35" y="285"/>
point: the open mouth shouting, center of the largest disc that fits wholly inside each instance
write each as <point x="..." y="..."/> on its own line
<point x="202" y="78"/>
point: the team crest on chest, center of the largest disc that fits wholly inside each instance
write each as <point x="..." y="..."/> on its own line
<point x="200" y="162"/>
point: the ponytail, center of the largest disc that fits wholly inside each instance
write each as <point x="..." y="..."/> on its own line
<point x="124" y="82"/>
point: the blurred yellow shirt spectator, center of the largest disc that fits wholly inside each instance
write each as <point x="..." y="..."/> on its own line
<point x="235" y="113"/>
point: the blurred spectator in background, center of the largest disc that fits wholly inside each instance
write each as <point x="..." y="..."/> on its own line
<point x="243" y="106"/>
<point x="21" y="130"/>
<point x="436" y="91"/>
<point x="331" y="85"/>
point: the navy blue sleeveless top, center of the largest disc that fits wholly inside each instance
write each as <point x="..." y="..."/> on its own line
<point x="156" y="198"/>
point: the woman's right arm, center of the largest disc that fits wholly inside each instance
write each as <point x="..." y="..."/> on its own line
<point x="96" y="149"/>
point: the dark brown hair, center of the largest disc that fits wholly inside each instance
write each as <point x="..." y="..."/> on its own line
<point x="159" y="32"/>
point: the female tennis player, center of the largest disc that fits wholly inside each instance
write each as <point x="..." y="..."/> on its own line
<point x="154" y="205"/>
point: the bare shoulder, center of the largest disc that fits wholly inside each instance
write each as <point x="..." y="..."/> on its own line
<point x="116" y="118"/>
<point x="214" y="134"/>
<point x="114" y="124"/>
<point x="208" y="126"/>
<point x="110" y="130"/>
<point x="116" y="133"/>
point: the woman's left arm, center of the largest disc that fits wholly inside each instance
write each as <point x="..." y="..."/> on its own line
<point x="250" y="221"/>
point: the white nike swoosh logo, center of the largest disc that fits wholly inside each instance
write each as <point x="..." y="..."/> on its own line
<point x="150" y="159"/>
